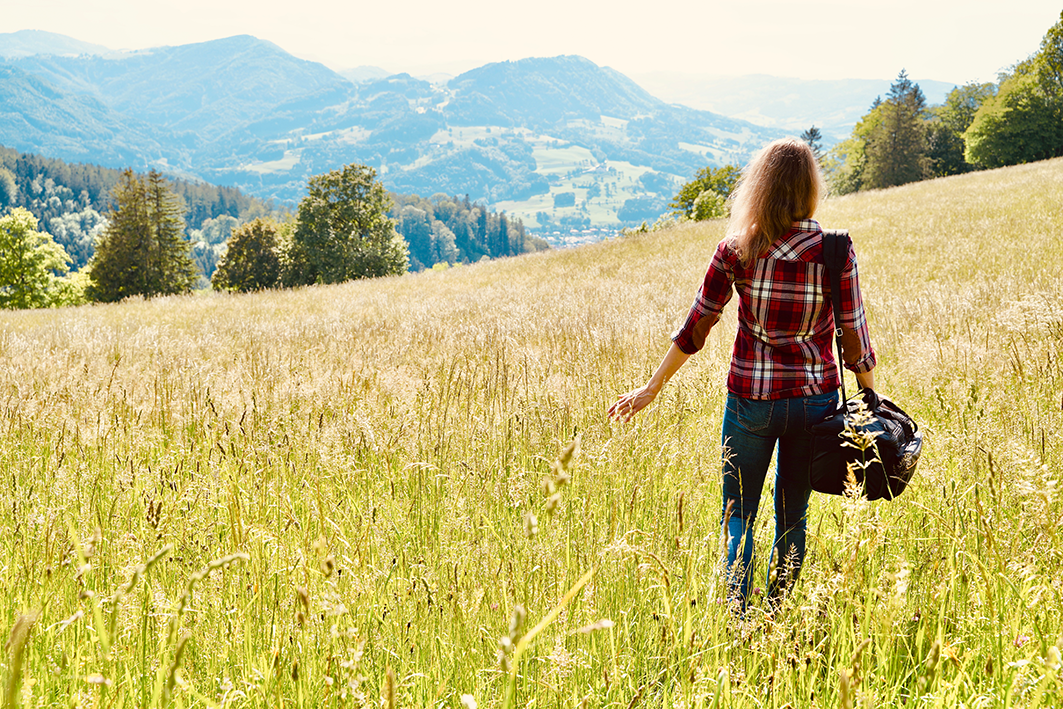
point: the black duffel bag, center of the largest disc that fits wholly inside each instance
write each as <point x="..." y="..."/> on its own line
<point x="883" y="466"/>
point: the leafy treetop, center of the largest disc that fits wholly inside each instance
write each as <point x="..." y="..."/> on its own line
<point x="29" y="263"/>
<point x="343" y="230"/>
<point x="720" y="180"/>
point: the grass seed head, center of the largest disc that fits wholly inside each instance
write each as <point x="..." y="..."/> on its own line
<point x="16" y="647"/>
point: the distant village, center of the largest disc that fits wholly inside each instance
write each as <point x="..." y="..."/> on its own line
<point x="576" y="237"/>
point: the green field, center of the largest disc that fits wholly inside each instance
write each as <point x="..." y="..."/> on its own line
<point x="568" y="168"/>
<point x="619" y="183"/>
<point x="341" y="496"/>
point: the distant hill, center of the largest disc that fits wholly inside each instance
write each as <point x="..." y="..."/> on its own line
<point x="364" y="73"/>
<point x="25" y="43"/>
<point x="209" y="88"/>
<point x="241" y="111"/>
<point x="793" y="105"/>
<point x="542" y="93"/>
<point x="37" y="117"/>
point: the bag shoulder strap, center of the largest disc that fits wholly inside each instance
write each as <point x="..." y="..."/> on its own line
<point x="835" y="252"/>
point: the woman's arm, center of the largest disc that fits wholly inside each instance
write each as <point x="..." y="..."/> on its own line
<point x="636" y="400"/>
<point x="866" y="380"/>
<point x="714" y="293"/>
<point x="858" y="356"/>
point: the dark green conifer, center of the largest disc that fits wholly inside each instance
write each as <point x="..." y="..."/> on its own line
<point x="143" y="250"/>
<point x="897" y="146"/>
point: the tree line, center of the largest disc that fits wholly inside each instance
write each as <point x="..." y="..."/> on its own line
<point x="71" y="200"/>
<point x="347" y="227"/>
<point x="451" y="229"/>
<point x="1018" y="119"/>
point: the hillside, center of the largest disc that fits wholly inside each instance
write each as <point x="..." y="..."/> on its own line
<point x="204" y="89"/>
<point x="241" y="111"/>
<point x="372" y="465"/>
<point x="37" y="117"/>
<point x="26" y="43"/>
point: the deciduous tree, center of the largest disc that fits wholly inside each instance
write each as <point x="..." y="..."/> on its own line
<point x="947" y="124"/>
<point x="343" y="230"/>
<point x="1050" y="61"/>
<point x="844" y="165"/>
<point x="721" y="180"/>
<point x="252" y="260"/>
<point x="1020" y="124"/>
<point x="30" y="262"/>
<point x="1024" y="121"/>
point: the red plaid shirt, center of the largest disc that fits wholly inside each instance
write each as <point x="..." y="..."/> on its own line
<point x="784" y="345"/>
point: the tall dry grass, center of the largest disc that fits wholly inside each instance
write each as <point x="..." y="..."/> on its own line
<point x="351" y="495"/>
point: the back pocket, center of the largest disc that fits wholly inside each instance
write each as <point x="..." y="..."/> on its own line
<point x="754" y="415"/>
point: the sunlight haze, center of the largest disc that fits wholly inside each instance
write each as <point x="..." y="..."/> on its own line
<point x="825" y="39"/>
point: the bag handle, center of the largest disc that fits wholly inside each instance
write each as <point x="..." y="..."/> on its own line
<point x="835" y="251"/>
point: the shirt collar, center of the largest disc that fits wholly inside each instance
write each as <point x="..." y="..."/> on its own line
<point x="794" y="245"/>
<point x="806" y="225"/>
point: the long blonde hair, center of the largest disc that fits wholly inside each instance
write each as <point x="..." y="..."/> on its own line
<point x="782" y="184"/>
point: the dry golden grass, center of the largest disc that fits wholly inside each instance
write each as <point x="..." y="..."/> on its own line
<point x="375" y="450"/>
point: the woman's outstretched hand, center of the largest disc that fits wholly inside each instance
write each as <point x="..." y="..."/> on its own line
<point x="632" y="402"/>
<point x="637" y="399"/>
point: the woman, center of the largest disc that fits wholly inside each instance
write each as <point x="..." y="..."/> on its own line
<point x="783" y="376"/>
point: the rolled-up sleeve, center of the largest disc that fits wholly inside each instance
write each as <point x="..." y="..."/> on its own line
<point x="859" y="355"/>
<point x="713" y="295"/>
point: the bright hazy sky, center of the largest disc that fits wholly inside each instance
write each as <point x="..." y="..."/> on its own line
<point x="947" y="40"/>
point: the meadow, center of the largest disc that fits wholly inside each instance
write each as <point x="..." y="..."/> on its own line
<point x="406" y="493"/>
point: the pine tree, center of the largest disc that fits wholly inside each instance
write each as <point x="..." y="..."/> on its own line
<point x="896" y="148"/>
<point x="143" y="250"/>
<point x="503" y="247"/>
<point x="814" y="138"/>
<point x="481" y="228"/>
<point x="172" y="269"/>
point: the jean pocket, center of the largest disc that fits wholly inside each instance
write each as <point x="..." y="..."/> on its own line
<point x="753" y="415"/>
<point x="818" y="408"/>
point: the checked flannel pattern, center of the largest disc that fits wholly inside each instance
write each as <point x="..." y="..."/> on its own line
<point x="784" y="345"/>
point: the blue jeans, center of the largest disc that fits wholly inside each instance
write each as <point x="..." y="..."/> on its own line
<point x="751" y="429"/>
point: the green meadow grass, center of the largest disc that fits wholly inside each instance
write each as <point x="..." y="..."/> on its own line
<point x="360" y="495"/>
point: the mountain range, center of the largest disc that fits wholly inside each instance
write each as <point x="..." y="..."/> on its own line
<point x="241" y="111"/>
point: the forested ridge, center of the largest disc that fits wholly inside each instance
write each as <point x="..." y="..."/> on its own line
<point x="80" y="208"/>
<point x="71" y="200"/>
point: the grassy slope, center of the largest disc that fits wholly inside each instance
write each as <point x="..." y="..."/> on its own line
<point x="379" y="445"/>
